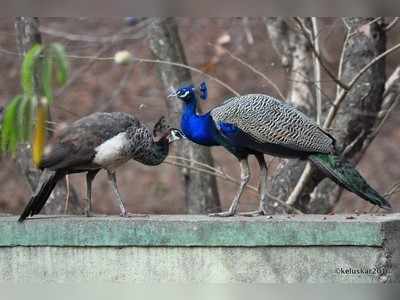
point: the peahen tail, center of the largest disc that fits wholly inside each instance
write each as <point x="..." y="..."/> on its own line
<point x="345" y="175"/>
<point x="47" y="182"/>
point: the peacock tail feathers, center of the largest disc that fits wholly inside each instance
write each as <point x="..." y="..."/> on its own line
<point x="344" y="174"/>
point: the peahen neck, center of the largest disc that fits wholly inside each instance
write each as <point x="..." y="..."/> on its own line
<point x="154" y="154"/>
<point x="198" y="128"/>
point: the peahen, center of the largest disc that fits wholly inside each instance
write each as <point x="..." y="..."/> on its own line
<point x="257" y="124"/>
<point x="100" y="141"/>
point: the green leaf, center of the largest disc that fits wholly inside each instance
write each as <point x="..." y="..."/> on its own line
<point x="28" y="69"/>
<point x="61" y="62"/>
<point x="47" y="76"/>
<point x="25" y="118"/>
<point x="9" y="132"/>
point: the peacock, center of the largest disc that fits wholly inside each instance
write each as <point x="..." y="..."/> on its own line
<point x="100" y="141"/>
<point x="257" y="124"/>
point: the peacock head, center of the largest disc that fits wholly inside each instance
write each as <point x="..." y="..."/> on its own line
<point x="188" y="93"/>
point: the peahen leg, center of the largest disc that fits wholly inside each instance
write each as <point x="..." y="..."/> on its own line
<point x="89" y="179"/>
<point x="244" y="179"/>
<point x="262" y="189"/>
<point x="124" y="212"/>
<point x="113" y="179"/>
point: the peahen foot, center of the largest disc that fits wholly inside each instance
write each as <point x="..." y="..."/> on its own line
<point x="129" y="215"/>
<point x="227" y="213"/>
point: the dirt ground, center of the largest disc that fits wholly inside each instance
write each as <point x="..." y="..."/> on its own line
<point x="104" y="86"/>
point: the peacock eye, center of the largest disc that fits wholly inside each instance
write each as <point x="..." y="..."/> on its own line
<point x="184" y="95"/>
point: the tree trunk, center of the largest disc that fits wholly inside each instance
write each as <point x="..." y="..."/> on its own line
<point x="297" y="56"/>
<point x="354" y="121"/>
<point x="28" y="34"/>
<point x="201" y="194"/>
<point x="357" y="116"/>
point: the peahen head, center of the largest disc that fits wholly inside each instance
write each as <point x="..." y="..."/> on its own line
<point x="188" y="93"/>
<point x="175" y="135"/>
<point x="162" y="131"/>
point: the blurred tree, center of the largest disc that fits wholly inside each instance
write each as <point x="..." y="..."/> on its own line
<point x="357" y="114"/>
<point x="295" y="55"/>
<point x="28" y="35"/>
<point x="201" y="194"/>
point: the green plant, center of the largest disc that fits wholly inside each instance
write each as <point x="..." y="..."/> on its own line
<point x="26" y="115"/>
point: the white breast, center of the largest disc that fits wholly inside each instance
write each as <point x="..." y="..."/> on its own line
<point x="110" y="154"/>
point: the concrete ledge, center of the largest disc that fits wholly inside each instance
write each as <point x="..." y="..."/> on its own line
<point x="309" y="248"/>
<point x="189" y="230"/>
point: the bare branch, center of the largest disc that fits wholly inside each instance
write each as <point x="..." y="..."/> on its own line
<point x="304" y="178"/>
<point x="357" y="31"/>
<point x="265" y="77"/>
<point x="125" y="34"/>
<point x="157" y="61"/>
<point x="334" y="108"/>
<point x="217" y="173"/>
<point x="317" y="69"/>
<point x="393" y="190"/>
<point x="117" y="90"/>
<point x="298" y="189"/>
<point x="77" y="75"/>
<point x="331" y="75"/>
<point x="341" y="59"/>
<point x="247" y="30"/>
<point x="392" y="24"/>
<point x="390" y="101"/>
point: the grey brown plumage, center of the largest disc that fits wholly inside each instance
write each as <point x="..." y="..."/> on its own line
<point x="99" y="141"/>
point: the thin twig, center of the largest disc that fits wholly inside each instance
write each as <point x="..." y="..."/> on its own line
<point x="157" y="61"/>
<point x="393" y="23"/>
<point x="331" y="75"/>
<point x="247" y="31"/>
<point x="341" y="60"/>
<point x="265" y="77"/>
<point x="298" y="189"/>
<point x="393" y="190"/>
<point x="85" y="68"/>
<point x="6" y="51"/>
<point x="357" y="31"/>
<point x="125" y="34"/>
<point x="317" y="69"/>
<point x="230" y="179"/>
<point x="117" y="91"/>
<point x="196" y="162"/>
<point x="335" y="107"/>
<point x="390" y="101"/>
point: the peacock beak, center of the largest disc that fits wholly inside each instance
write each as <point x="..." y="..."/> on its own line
<point x="173" y="94"/>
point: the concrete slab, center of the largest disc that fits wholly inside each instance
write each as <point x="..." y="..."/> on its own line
<point x="310" y="248"/>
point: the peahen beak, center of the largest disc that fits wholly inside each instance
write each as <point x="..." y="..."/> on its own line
<point x="175" y="135"/>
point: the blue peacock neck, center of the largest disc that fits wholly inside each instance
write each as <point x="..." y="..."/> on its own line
<point x="198" y="128"/>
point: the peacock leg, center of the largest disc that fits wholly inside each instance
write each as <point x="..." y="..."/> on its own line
<point x="244" y="179"/>
<point x="89" y="179"/>
<point x="262" y="189"/>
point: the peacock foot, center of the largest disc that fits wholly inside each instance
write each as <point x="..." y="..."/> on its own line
<point x="254" y="213"/>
